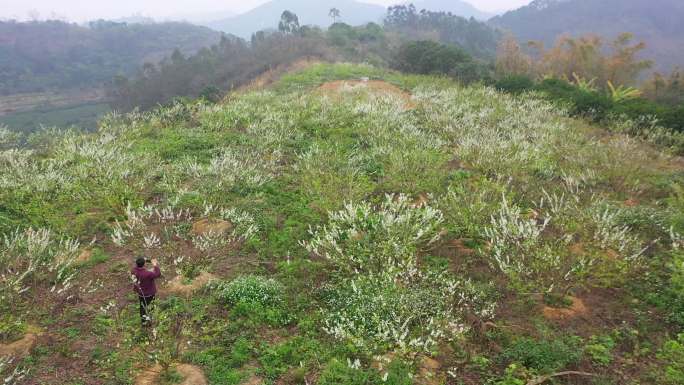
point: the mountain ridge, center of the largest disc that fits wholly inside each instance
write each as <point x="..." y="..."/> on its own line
<point x="267" y="15"/>
<point x="456" y="7"/>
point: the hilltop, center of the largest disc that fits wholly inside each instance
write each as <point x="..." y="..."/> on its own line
<point x="344" y="225"/>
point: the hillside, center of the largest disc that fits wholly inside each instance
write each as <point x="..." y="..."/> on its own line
<point x="53" y="55"/>
<point x="658" y="24"/>
<point x="347" y="225"/>
<point x="267" y="16"/>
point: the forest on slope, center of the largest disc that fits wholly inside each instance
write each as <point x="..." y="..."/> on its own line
<point x="42" y="56"/>
<point x="466" y="50"/>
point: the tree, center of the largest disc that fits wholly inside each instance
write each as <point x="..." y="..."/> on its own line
<point x="289" y="22"/>
<point x="334" y="14"/>
<point x="510" y="60"/>
<point x="576" y="59"/>
<point x="429" y="57"/>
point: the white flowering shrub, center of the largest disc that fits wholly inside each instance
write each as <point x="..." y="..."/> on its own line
<point x="8" y="137"/>
<point x="33" y="256"/>
<point x="251" y="289"/>
<point x="513" y="237"/>
<point x="14" y="376"/>
<point x="245" y="227"/>
<point x="413" y="312"/>
<point x="529" y="258"/>
<point x="384" y="300"/>
<point x="249" y="168"/>
<point x="611" y="234"/>
<point x="362" y="238"/>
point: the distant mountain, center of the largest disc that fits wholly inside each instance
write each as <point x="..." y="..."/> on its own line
<point x="456" y="7"/>
<point x="135" y="19"/>
<point x="54" y="55"/>
<point x="309" y="12"/>
<point x="201" y="18"/>
<point x="656" y="22"/>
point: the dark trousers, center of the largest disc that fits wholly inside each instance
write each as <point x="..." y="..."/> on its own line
<point x="145" y="307"/>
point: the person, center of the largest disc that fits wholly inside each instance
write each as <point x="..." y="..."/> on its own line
<point x="145" y="286"/>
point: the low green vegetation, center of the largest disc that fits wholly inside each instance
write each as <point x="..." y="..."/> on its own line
<point x="406" y="231"/>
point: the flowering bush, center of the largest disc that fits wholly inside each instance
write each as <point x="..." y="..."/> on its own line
<point x="251" y="289"/>
<point x="412" y="312"/>
<point x="35" y="256"/>
<point x="360" y="238"/>
<point x="520" y="249"/>
<point x="385" y="300"/>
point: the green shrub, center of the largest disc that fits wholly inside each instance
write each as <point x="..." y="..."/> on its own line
<point x="672" y="354"/>
<point x="512" y="376"/>
<point x="342" y="373"/>
<point x="600" y="349"/>
<point x="429" y="57"/>
<point x="582" y="102"/>
<point x="11" y="328"/>
<point x="339" y="373"/>
<point x="514" y="84"/>
<point x="221" y="366"/>
<point x="544" y="356"/>
<point x="278" y="359"/>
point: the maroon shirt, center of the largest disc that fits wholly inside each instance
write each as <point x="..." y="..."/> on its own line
<point x="145" y="285"/>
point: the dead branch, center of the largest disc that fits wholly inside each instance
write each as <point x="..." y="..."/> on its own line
<point x="542" y="379"/>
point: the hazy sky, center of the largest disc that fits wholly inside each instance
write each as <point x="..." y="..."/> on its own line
<point x="80" y="10"/>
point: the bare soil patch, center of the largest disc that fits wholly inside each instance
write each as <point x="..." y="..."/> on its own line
<point x="192" y="375"/>
<point x="376" y="87"/>
<point x="577" y="308"/>
<point x="213" y="226"/>
<point x="271" y="76"/>
<point x="254" y="380"/>
<point x="84" y="256"/>
<point x="177" y="286"/>
<point x="22" y="347"/>
<point x="429" y="372"/>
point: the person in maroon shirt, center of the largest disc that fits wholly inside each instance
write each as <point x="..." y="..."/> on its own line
<point x="144" y="286"/>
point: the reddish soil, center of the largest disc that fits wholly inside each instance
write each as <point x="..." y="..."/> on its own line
<point x="176" y="286"/>
<point x="21" y="347"/>
<point x="376" y="87"/>
<point x="429" y="372"/>
<point x="577" y="309"/>
<point x="271" y="76"/>
<point x="192" y="375"/>
<point x="214" y="226"/>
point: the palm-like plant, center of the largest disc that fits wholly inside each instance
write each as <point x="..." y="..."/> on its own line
<point x="621" y="93"/>
<point x="584" y="84"/>
<point x="334" y="14"/>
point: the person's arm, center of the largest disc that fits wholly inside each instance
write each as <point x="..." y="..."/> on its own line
<point x="156" y="273"/>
